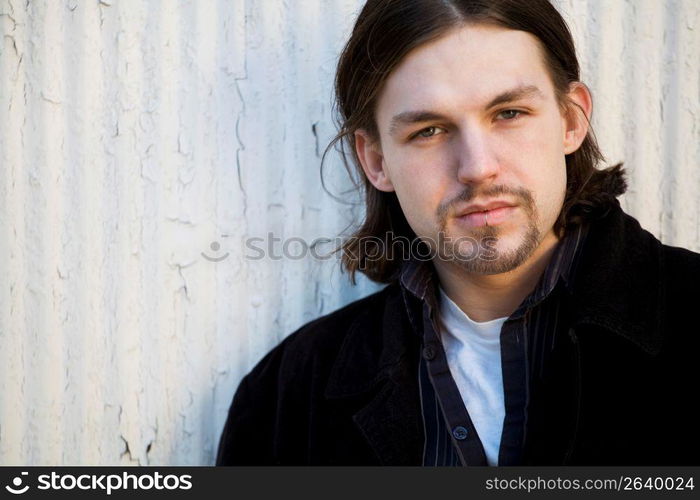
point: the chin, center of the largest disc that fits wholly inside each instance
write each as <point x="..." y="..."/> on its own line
<point x="496" y="254"/>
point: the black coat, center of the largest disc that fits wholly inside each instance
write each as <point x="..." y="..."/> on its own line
<point x="623" y="389"/>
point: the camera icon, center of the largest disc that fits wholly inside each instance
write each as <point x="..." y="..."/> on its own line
<point x="17" y="482"/>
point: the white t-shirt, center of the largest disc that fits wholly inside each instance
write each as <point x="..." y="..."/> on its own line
<point x="474" y="356"/>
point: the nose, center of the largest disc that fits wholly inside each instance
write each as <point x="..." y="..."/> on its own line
<point x="476" y="159"/>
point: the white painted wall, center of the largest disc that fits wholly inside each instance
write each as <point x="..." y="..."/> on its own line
<point x="134" y="134"/>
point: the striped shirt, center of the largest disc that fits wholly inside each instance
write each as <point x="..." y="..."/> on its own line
<point x="527" y="336"/>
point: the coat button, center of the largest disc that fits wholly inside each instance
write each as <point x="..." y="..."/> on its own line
<point x="429" y="352"/>
<point x="460" y="433"/>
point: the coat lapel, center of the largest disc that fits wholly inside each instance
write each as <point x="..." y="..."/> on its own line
<point x="390" y="424"/>
<point x="373" y="367"/>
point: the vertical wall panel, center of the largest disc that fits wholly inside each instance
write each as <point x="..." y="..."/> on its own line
<point x="641" y="59"/>
<point x="139" y="140"/>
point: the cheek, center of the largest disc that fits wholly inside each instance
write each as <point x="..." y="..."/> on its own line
<point x="417" y="198"/>
<point x="541" y="162"/>
<point x="554" y="184"/>
<point x="550" y="191"/>
<point x="420" y="185"/>
<point x="539" y="142"/>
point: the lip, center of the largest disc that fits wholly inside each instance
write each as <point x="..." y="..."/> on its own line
<point x="484" y="207"/>
<point x="489" y="214"/>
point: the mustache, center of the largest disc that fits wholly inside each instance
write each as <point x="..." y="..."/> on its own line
<point x="471" y="192"/>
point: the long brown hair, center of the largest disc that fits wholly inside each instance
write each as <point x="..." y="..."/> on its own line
<point x="384" y="33"/>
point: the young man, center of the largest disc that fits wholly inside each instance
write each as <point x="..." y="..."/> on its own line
<point x="545" y="326"/>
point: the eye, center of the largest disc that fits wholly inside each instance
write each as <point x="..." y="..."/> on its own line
<point x="510" y="114"/>
<point x="428" y="132"/>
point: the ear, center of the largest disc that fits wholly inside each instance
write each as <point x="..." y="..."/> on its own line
<point x="577" y="116"/>
<point x="370" y="154"/>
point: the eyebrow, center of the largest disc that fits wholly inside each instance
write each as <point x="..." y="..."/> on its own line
<point x="410" y="117"/>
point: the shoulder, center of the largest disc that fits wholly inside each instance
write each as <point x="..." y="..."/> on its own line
<point x="681" y="275"/>
<point x="342" y="318"/>
<point x="317" y="343"/>
<point x="332" y="328"/>
<point x="678" y="259"/>
<point x="276" y="400"/>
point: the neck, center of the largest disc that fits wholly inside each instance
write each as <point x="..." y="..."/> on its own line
<point x="486" y="297"/>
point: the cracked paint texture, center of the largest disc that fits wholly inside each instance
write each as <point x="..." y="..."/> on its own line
<point x="133" y="137"/>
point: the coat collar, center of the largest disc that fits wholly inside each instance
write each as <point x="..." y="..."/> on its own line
<point x="618" y="283"/>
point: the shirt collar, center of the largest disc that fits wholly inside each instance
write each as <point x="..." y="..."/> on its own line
<point x="562" y="265"/>
<point x="419" y="277"/>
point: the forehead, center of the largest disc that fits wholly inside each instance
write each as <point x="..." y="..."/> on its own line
<point x="465" y="68"/>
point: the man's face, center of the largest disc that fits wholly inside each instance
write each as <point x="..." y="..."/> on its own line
<point x="466" y="121"/>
